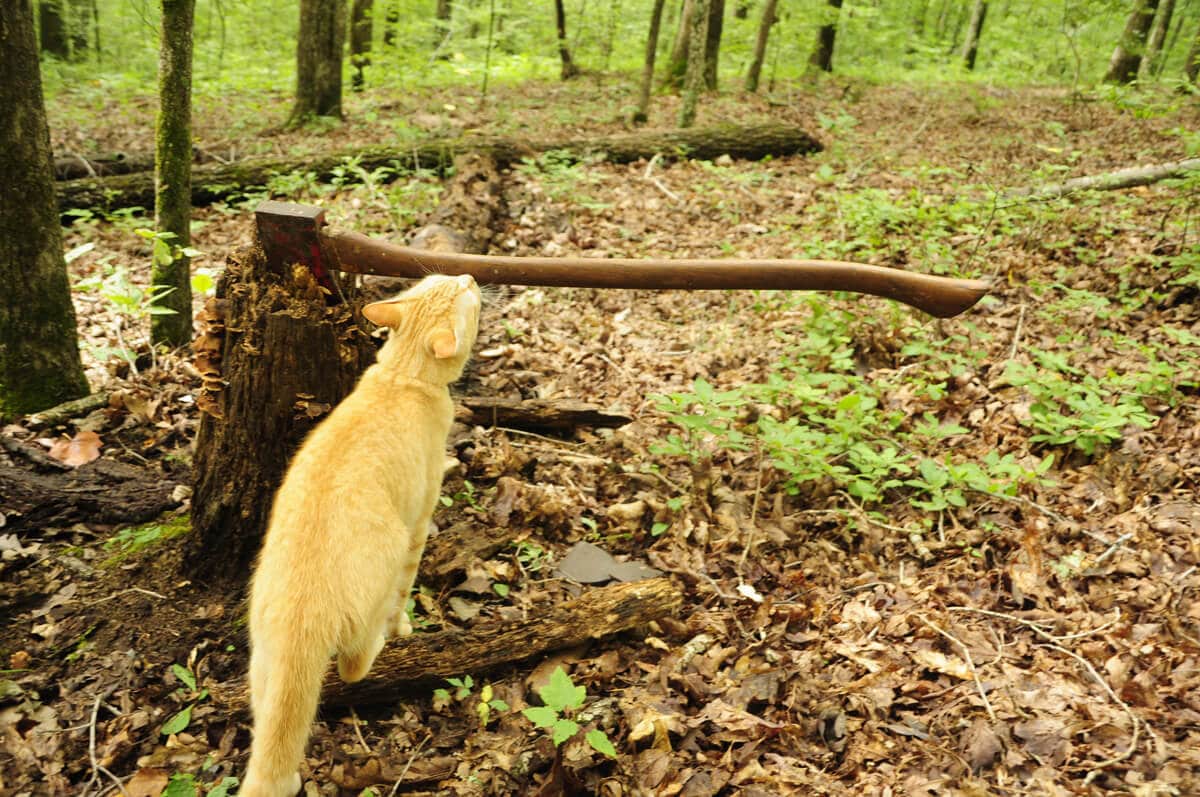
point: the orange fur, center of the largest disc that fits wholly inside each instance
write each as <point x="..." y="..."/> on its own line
<point x="349" y="524"/>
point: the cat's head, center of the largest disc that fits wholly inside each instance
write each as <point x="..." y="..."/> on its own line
<point x="432" y="326"/>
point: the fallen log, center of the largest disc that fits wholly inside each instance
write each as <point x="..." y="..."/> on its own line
<point x="72" y="167"/>
<point x="103" y="491"/>
<point x="61" y="413"/>
<point x="452" y="550"/>
<point x="213" y="182"/>
<point x="553" y="415"/>
<point x="597" y="613"/>
<point x="1111" y="181"/>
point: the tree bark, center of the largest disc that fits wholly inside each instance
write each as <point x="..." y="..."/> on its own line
<point x="52" y="22"/>
<point x="597" y="613"/>
<point x="1158" y="37"/>
<point x="39" y="356"/>
<point x="391" y="19"/>
<point x="173" y="177"/>
<point x="362" y="13"/>
<point x="760" y="45"/>
<point x="213" y="182"/>
<point x="319" y="60"/>
<point x="1127" y="57"/>
<point x="1191" y="64"/>
<point x="643" y="107"/>
<point x="545" y="415"/>
<point x="821" y="59"/>
<point x="712" y="42"/>
<point x="677" y="63"/>
<point x="569" y="70"/>
<point x="284" y="357"/>
<point x="694" y="79"/>
<point x="442" y="16"/>
<point x="974" y="30"/>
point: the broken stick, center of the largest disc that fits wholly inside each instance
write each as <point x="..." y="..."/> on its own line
<point x="597" y="613"/>
<point x="557" y="415"/>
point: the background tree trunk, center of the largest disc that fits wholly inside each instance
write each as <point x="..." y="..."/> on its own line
<point x="173" y="174"/>
<point x="821" y="59"/>
<point x="677" y="63"/>
<point x="442" y="16"/>
<point x="319" y="60"/>
<point x="1191" y="64"/>
<point x="362" y="13"/>
<point x="643" y="107"/>
<point x="694" y="79"/>
<point x="1158" y="37"/>
<point x="760" y="45"/>
<point x="974" y="29"/>
<point x="52" y="23"/>
<point x="39" y="355"/>
<point x="391" y="19"/>
<point x="1127" y="58"/>
<point x="712" y="42"/>
<point x="286" y="357"/>
<point x="569" y="70"/>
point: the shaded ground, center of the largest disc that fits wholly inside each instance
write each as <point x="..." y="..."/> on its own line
<point x="864" y="611"/>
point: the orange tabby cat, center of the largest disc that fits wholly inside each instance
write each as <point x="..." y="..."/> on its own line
<point x="349" y="524"/>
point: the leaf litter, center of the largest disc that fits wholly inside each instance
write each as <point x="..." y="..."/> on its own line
<point x="1041" y="642"/>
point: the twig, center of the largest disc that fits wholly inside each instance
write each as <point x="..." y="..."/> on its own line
<point x="1112" y="548"/>
<point x="970" y="663"/>
<point x="753" y="513"/>
<point x="96" y="767"/>
<point x="1012" y="352"/>
<point x="126" y="592"/>
<point x="358" y="731"/>
<point x="525" y="433"/>
<point x="409" y="764"/>
<point x="657" y="183"/>
<point x="1095" y="769"/>
<point x="1038" y="628"/>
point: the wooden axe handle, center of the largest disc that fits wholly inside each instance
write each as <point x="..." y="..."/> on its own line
<point x="939" y="296"/>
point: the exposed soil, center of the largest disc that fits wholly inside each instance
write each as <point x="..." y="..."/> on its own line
<point x="1044" y="642"/>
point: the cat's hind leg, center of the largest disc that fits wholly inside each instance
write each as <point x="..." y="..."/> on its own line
<point x="398" y="622"/>
<point x="354" y="661"/>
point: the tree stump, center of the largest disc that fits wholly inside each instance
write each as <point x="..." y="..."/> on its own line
<point x="286" y="357"/>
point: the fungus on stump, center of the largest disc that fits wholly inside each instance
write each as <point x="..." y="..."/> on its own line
<point x="275" y="357"/>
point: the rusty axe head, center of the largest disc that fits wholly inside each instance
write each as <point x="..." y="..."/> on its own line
<point x="290" y="233"/>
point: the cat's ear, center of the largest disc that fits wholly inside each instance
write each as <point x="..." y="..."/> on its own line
<point x="443" y="343"/>
<point x="386" y="313"/>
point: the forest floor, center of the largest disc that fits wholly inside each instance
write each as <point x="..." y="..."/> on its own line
<point x="918" y="556"/>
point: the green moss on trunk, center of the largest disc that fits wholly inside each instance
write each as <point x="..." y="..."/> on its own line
<point x="319" y="60"/>
<point x="173" y="172"/>
<point x="39" y="355"/>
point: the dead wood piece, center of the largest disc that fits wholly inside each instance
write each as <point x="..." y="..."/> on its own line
<point x="471" y="202"/>
<point x="1112" y="181"/>
<point x="67" y="410"/>
<point x="213" y="182"/>
<point x="556" y="415"/>
<point x="71" y="167"/>
<point x="103" y="491"/>
<point x="595" y="614"/>
<point x="451" y="550"/>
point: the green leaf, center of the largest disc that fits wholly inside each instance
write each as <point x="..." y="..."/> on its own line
<point x="180" y="785"/>
<point x="222" y="788"/>
<point x="501" y="589"/>
<point x="561" y="692"/>
<point x="178" y="722"/>
<point x="541" y="716"/>
<point x="599" y="741"/>
<point x="185" y="675"/>
<point x="563" y="730"/>
<point x="498" y="705"/>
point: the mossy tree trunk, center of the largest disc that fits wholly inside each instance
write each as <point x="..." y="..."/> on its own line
<point x="712" y="42"/>
<point x="1127" y="58"/>
<point x="319" y="60"/>
<point x="974" y="30"/>
<point x="693" y="81"/>
<point x="569" y="69"/>
<point x="442" y="15"/>
<point x="1191" y="64"/>
<point x="1158" y="38"/>
<point x="643" y="105"/>
<point x="821" y="59"/>
<point x="39" y="356"/>
<point x="362" y="14"/>
<point x="52" y="25"/>
<point x="173" y="177"/>
<point x="760" y="45"/>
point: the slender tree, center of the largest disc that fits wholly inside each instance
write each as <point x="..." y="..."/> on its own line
<point x="39" y="356"/>
<point x="52" y="26"/>
<point x="442" y="15"/>
<point x="319" y="60"/>
<point x="712" y="42"/>
<point x="974" y="29"/>
<point x="362" y="14"/>
<point x="391" y="18"/>
<point x="1127" y="57"/>
<point x="643" y="106"/>
<point x="760" y="45"/>
<point x="821" y="59"/>
<point x="171" y="275"/>
<point x="1191" y="64"/>
<point x="693" y="80"/>
<point x="1158" y="36"/>
<point x="569" y="70"/>
<point x="677" y="63"/>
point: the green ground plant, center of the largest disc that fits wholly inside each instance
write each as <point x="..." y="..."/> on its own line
<point x="561" y="698"/>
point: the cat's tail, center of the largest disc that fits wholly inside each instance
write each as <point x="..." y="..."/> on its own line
<point x="285" y="686"/>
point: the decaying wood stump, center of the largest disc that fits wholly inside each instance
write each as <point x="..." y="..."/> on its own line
<point x="286" y="357"/>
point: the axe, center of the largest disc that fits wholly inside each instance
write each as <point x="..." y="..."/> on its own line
<point x="291" y="233"/>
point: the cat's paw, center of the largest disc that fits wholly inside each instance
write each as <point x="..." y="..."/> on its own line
<point x="401" y="625"/>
